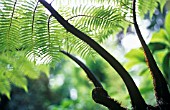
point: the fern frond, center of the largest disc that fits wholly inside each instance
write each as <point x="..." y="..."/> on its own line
<point x="15" y="69"/>
<point x="5" y="86"/>
<point x="55" y="38"/>
<point x="17" y="78"/>
<point x="59" y="39"/>
<point x="99" y="20"/>
<point x="35" y="34"/>
<point x="145" y="6"/>
<point x="70" y="3"/>
<point x="9" y="26"/>
<point x="82" y="48"/>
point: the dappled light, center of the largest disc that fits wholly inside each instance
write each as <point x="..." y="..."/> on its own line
<point x="84" y="55"/>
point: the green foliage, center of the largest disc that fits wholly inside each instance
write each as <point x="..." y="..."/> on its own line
<point x="149" y="5"/>
<point x="73" y="77"/>
<point x="33" y="100"/>
<point x="27" y="30"/>
<point x="134" y="58"/>
<point x="9" y="23"/>
<point x="160" y="47"/>
<point x="99" y="21"/>
<point x="16" y="35"/>
<point x="26" y="25"/>
<point x="167" y="25"/>
<point x="163" y="36"/>
<point x="15" y="69"/>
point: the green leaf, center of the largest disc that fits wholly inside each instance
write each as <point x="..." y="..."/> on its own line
<point x="132" y="63"/>
<point x="135" y="56"/>
<point x="146" y="5"/>
<point x="30" y="70"/>
<point x="146" y="89"/>
<point x="159" y="56"/>
<point x="157" y="46"/>
<point x="166" y="65"/>
<point x="17" y="79"/>
<point x="144" y="71"/>
<point x="167" y="24"/>
<point x="5" y="87"/>
<point x="44" y="68"/>
<point x="25" y="88"/>
<point x="160" y="36"/>
<point x="162" y="4"/>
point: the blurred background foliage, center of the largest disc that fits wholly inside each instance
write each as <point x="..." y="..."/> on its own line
<point x="64" y="86"/>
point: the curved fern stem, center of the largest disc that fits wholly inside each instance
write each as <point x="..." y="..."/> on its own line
<point x="160" y="85"/>
<point x="75" y="16"/>
<point x="89" y="73"/>
<point x="89" y="16"/>
<point x="13" y="11"/>
<point x="10" y="24"/>
<point x="49" y="36"/>
<point x="32" y="29"/>
<point x="99" y="95"/>
<point x="136" y="98"/>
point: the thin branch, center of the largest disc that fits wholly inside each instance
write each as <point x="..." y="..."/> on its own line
<point x="131" y="86"/>
<point x="89" y="73"/>
<point x="160" y="85"/>
<point x="51" y="1"/>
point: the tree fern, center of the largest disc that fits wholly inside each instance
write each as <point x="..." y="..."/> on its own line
<point x="26" y="27"/>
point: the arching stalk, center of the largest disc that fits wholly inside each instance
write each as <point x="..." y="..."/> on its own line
<point x="136" y="98"/>
<point x="160" y="85"/>
<point x="89" y="73"/>
<point x="99" y="95"/>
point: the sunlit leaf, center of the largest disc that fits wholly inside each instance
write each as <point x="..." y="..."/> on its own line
<point x="44" y="68"/>
<point x="162" y="4"/>
<point x="145" y="70"/>
<point x="160" y="36"/>
<point x="135" y="56"/>
<point x="5" y="86"/>
<point x="17" y="79"/>
<point x="145" y="6"/>
<point x="159" y="56"/>
<point x="167" y="24"/>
